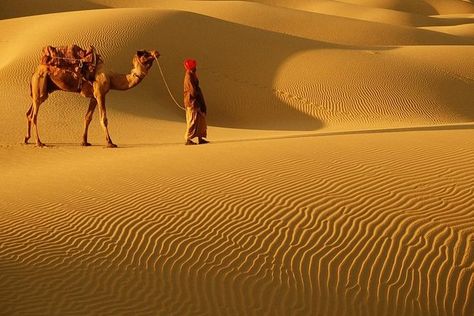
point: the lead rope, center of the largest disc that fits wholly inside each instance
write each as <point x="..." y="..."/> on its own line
<point x="167" y="87"/>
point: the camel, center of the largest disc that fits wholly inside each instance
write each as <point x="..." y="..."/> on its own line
<point x="43" y="82"/>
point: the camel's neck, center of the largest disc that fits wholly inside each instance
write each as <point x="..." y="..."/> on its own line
<point x="127" y="81"/>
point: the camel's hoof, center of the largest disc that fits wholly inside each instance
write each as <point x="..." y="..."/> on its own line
<point x="111" y="145"/>
<point x="41" y="145"/>
<point x="85" y="144"/>
<point x="26" y="141"/>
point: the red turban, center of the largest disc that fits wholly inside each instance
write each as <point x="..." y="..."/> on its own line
<point x="190" y="64"/>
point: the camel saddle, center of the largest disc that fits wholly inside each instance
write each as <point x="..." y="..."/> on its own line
<point x="71" y="65"/>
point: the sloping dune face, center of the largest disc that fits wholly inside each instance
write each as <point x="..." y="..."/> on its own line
<point x="339" y="179"/>
<point x="424" y="7"/>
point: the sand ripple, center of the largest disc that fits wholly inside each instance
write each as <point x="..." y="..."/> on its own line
<point x="371" y="215"/>
<point x="287" y="235"/>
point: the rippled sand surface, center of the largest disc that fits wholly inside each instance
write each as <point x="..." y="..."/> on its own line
<point x="339" y="179"/>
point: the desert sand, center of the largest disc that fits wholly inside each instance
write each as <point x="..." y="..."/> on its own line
<point x="339" y="179"/>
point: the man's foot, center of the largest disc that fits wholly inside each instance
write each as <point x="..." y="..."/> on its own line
<point x="189" y="142"/>
<point x="203" y="141"/>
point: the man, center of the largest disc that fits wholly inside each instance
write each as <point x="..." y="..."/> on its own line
<point x="195" y="105"/>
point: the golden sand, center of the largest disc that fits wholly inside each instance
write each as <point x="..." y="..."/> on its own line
<point x="339" y="180"/>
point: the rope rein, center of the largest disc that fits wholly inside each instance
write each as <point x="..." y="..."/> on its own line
<point x="167" y="87"/>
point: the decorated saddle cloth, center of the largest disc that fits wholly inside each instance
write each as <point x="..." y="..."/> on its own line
<point x="71" y="65"/>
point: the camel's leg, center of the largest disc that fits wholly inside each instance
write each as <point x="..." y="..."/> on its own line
<point x="87" y="120"/>
<point x="39" y="94"/>
<point x="36" y="106"/>
<point x="29" y="117"/>
<point x="103" y="120"/>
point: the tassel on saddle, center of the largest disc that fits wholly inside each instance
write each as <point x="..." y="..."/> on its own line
<point x="71" y="65"/>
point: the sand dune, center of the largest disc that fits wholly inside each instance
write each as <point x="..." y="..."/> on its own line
<point x="328" y="225"/>
<point x="24" y="8"/>
<point x="458" y="30"/>
<point x="375" y="14"/>
<point x="425" y="7"/>
<point x="348" y="81"/>
<point x="323" y="25"/>
<point x="339" y="180"/>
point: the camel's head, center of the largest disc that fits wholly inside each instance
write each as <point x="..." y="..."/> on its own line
<point x="145" y="58"/>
